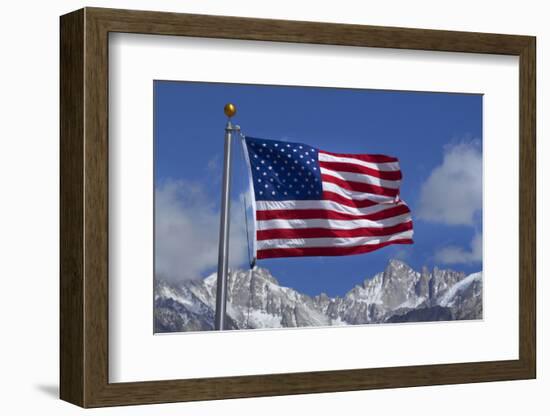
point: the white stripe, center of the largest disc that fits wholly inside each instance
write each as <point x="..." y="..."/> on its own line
<point x="359" y="177"/>
<point x="244" y="148"/>
<point x="357" y="195"/>
<point x="383" y="167"/>
<point x="331" y="242"/>
<point x="325" y="205"/>
<point x="335" y="224"/>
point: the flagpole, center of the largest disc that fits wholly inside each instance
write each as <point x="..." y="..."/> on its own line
<point x="223" y="248"/>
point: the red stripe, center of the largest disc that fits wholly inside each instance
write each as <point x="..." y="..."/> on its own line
<point x="309" y="214"/>
<point x="329" y="232"/>
<point x="354" y="203"/>
<point x="360" y="186"/>
<point x="364" y="157"/>
<point x="326" y="251"/>
<point x="392" y="175"/>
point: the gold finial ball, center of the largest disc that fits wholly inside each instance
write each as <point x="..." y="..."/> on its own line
<point x="230" y="110"/>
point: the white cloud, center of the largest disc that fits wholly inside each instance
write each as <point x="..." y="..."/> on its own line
<point x="186" y="232"/>
<point x="452" y="194"/>
<point x="214" y="164"/>
<point x="457" y="255"/>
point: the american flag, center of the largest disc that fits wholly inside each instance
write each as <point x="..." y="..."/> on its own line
<point x="309" y="202"/>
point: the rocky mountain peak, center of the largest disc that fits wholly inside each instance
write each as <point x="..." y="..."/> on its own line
<point x="396" y="265"/>
<point x="234" y="276"/>
<point x="265" y="274"/>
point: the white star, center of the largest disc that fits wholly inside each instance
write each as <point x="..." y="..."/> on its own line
<point x="307" y="153"/>
<point x="287" y="145"/>
<point x="256" y="156"/>
<point x="260" y="192"/>
<point x="282" y="150"/>
<point x="269" y="167"/>
<point x="259" y="180"/>
<point x="273" y="193"/>
<point x="257" y="168"/>
<point x="301" y="156"/>
<point x="300" y="147"/>
<point x="286" y="193"/>
<point x="276" y="145"/>
<point x="266" y="185"/>
<point x="264" y="174"/>
<point x="263" y="144"/>
<point x="294" y="150"/>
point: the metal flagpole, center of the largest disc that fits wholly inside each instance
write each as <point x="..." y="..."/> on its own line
<point x="223" y="251"/>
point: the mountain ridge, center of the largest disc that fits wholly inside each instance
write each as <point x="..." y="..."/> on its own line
<point x="257" y="300"/>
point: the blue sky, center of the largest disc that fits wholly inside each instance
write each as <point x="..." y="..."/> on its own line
<point x="436" y="136"/>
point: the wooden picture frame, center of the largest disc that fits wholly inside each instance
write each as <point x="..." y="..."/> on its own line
<point x="84" y="207"/>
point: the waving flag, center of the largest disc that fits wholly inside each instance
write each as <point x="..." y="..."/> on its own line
<point x="314" y="203"/>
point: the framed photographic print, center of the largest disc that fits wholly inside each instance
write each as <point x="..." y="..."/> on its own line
<point x="255" y="207"/>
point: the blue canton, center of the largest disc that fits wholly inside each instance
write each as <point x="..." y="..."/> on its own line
<point x="284" y="171"/>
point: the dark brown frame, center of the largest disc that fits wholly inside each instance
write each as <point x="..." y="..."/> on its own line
<point x="84" y="209"/>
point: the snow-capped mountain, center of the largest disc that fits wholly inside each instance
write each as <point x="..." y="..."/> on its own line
<point x="257" y="300"/>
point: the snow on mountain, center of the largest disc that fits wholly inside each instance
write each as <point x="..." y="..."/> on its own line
<point x="450" y="296"/>
<point x="257" y="300"/>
